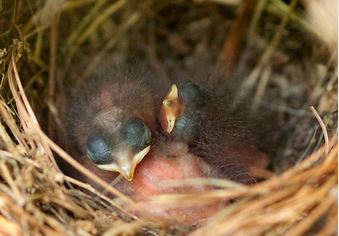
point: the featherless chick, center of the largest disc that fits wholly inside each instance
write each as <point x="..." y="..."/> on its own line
<point x="201" y="113"/>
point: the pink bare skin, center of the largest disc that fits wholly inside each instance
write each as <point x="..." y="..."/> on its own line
<point x="170" y="162"/>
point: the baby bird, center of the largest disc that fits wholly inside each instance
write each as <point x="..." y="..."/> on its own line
<point x="182" y="112"/>
<point x="201" y="114"/>
<point x="111" y="122"/>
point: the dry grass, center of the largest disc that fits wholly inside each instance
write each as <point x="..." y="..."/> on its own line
<point x="37" y="199"/>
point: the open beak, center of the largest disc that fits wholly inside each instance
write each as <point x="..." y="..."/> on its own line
<point x="126" y="163"/>
<point x="171" y="109"/>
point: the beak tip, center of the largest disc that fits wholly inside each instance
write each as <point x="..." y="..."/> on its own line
<point x="128" y="170"/>
<point x="128" y="176"/>
<point x="129" y="179"/>
<point x="169" y="128"/>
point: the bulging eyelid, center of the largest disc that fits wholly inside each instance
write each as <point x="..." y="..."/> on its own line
<point x="98" y="149"/>
<point x="137" y="133"/>
<point x="191" y="93"/>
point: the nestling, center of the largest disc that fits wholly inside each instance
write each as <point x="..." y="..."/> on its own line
<point x="111" y="122"/>
<point x="224" y="137"/>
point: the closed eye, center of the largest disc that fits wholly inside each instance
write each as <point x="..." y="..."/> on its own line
<point x="136" y="133"/>
<point x="98" y="149"/>
<point x="191" y="93"/>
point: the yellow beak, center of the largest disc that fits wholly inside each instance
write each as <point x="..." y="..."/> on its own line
<point x="171" y="108"/>
<point x="125" y="163"/>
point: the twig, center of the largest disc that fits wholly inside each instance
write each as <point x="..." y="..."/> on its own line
<point x="323" y="128"/>
<point x="255" y="19"/>
<point x="231" y="49"/>
<point x="261" y="88"/>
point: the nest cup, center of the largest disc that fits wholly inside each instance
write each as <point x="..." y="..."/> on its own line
<point x="271" y="47"/>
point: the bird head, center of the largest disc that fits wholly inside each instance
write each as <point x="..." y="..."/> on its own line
<point x="112" y="121"/>
<point x="118" y="145"/>
<point x="181" y="110"/>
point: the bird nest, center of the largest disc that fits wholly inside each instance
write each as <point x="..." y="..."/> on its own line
<point x="269" y="46"/>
